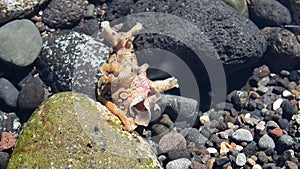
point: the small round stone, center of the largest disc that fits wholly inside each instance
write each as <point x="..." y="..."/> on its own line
<point x="241" y="159"/>
<point x="286" y="140"/>
<point x="257" y="166"/>
<point x="179" y="164"/>
<point x="284" y="73"/>
<point x="242" y="135"/>
<point x="8" y="93"/>
<point x="172" y="141"/>
<point x="266" y="142"/>
<point x="277" y="103"/>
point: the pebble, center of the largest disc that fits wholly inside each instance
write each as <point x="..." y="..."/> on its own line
<point x="287" y="94"/>
<point x="277" y="103"/>
<point x="23" y="43"/>
<point x="89" y="11"/>
<point x="251" y="161"/>
<point x="63" y="14"/>
<point x="291" y="165"/>
<point x="159" y="129"/>
<point x="8" y="94"/>
<point x="196" y="137"/>
<point x="277" y="132"/>
<point x="212" y="150"/>
<point x="286" y="140"/>
<point x="182" y="163"/>
<point x="257" y="166"/>
<point x="9" y="122"/>
<point x="222" y="161"/>
<point x="284" y="73"/>
<point x="241" y="159"/>
<point x="172" y="141"/>
<point x="176" y="154"/>
<point x="224" y="148"/>
<point x="32" y="93"/>
<point x="288" y="109"/>
<point x="262" y="157"/>
<point x="242" y="135"/>
<point x="266" y="142"/>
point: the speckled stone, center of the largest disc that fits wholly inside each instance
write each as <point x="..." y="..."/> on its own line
<point x="70" y="61"/>
<point x="179" y="164"/>
<point x="241" y="159"/>
<point x="172" y="141"/>
<point x="11" y="9"/>
<point x="63" y="14"/>
<point x="242" y="135"/>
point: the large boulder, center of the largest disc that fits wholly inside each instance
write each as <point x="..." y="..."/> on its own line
<point x="71" y="130"/>
<point x="237" y="40"/>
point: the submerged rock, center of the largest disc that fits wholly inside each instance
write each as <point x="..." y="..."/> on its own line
<point x="71" y="130"/>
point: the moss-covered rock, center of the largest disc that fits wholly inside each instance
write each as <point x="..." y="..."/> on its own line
<point x="71" y="130"/>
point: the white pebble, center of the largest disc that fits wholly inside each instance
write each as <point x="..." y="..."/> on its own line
<point x="277" y="103"/>
<point x="287" y="94"/>
<point x="212" y="150"/>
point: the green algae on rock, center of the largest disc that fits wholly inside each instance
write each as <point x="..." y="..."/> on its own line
<point x="71" y="130"/>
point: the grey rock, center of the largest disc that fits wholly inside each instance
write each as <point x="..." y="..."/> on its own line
<point x="119" y="8"/>
<point x="9" y="122"/>
<point x="32" y="93"/>
<point x="294" y="6"/>
<point x="159" y="129"/>
<point x="176" y="154"/>
<point x="11" y="9"/>
<point x="89" y="11"/>
<point x="266" y="142"/>
<point x="288" y="109"/>
<point x="240" y="5"/>
<point x="283" y="49"/>
<point x="62" y="14"/>
<point x="4" y="158"/>
<point x="71" y="61"/>
<point x="182" y="163"/>
<point x="242" y="135"/>
<point x="172" y="141"/>
<point x="90" y="27"/>
<point x="21" y="42"/>
<point x="269" y="13"/>
<point x="193" y="135"/>
<point x="185" y="109"/>
<point x="286" y="140"/>
<point x="224" y="26"/>
<point x="262" y="157"/>
<point x="241" y="159"/>
<point x="8" y="94"/>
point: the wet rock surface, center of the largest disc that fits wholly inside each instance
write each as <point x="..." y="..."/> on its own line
<point x="71" y="129"/>
<point x="217" y="20"/>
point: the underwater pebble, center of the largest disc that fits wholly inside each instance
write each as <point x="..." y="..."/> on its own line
<point x="179" y="164"/>
<point x="277" y="103"/>
<point x="242" y="135"/>
<point x="266" y="142"/>
<point x="241" y="159"/>
<point x="172" y="141"/>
